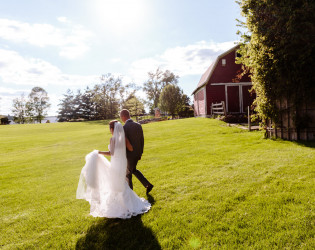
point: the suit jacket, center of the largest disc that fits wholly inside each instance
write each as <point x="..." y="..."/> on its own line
<point x="134" y="133"/>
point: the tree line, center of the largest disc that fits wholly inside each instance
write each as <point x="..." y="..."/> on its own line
<point x="105" y="99"/>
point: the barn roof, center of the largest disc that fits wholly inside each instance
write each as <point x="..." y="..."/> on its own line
<point x="206" y="76"/>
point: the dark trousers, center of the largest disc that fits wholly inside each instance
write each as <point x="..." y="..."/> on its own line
<point x="132" y="169"/>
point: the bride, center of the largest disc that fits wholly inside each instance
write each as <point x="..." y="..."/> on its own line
<point x="103" y="183"/>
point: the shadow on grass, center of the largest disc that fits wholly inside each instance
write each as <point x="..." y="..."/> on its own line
<point x="119" y="234"/>
<point x="309" y="144"/>
<point x="151" y="199"/>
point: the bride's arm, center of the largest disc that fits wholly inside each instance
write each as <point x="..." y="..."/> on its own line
<point x="128" y="145"/>
<point x="111" y="149"/>
<point x="104" y="153"/>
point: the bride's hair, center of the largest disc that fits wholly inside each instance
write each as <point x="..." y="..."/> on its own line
<point x="112" y="124"/>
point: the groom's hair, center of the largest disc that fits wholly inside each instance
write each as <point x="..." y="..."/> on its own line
<point x="112" y="124"/>
<point x="125" y="113"/>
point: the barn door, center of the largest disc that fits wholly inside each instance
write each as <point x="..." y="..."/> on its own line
<point x="233" y="99"/>
<point x="248" y="98"/>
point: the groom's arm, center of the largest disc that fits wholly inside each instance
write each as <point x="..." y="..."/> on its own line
<point x="142" y="142"/>
<point x="128" y="145"/>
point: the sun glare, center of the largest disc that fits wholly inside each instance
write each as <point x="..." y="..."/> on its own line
<point x="121" y="16"/>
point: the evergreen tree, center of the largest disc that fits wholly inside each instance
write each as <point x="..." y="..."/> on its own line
<point x="67" y="107"/>
<point x="87" y="105"/>
<point x="78" y="111"/>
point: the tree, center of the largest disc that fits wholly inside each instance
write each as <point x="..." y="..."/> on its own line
<point x="4" y="121"/>
<point x="126" y="92"/>
<point x="79" y="106"/>
<point x="87" y="105"/>
<point x="279" y="52"/>
<point x="186" y="110"/>
<point x="105" y="95"/>
<point x="156" y="82"/>
<point x="171" y="99"/>
<point x="19" y="109"/>
<point x="67" y="109"/>
<point x="134" y="105"/>
<point x="78" y="111"/>
<point x="39" y="103"/>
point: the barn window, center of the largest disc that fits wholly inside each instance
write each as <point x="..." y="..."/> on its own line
<point x="223" y="62"/>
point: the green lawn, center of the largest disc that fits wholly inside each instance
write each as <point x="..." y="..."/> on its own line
<point x="214" y="187"/>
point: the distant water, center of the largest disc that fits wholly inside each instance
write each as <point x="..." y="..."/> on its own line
<point x="51" y="119"/>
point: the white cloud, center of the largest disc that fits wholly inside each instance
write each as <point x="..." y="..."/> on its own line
<point x="192" y="59"/>
<point x="72" y="40"/>
<point x="63" y="19"/>
<point x="6" y="98"/>
<point x="33" y="71"/>
<point x="7" y="95"/>
<point x="24" y="73"/>
<point x="54" y="100"/>
<point x="28" y="72"/>
<point x="11" y="92"/>
<point x="115" y="60"/>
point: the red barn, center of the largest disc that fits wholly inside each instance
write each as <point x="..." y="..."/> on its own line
<point x="220" y="83"/>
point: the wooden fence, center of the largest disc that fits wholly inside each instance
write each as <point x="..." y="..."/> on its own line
<point x="286" y="129"/>
<point x="218" y="108"/>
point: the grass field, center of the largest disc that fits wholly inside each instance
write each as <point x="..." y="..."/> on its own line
<point x="215" y="187"/>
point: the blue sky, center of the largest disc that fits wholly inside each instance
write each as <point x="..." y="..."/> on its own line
<point x="61" y="44"/>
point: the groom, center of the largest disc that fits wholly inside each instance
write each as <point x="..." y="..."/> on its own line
<point x="134" y="133"/>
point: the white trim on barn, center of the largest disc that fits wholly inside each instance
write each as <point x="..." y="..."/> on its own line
<point x="206" y="76"/>
<point x="226" y="99"/>
<point x="233" y="83"/>
<point x="205" y="99"/>
<point x="240" y="91"/>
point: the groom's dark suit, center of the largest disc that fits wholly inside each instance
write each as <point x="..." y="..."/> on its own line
<point x="134" y="133"/>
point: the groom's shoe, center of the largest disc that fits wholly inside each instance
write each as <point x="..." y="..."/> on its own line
<point x="149" y="188"/>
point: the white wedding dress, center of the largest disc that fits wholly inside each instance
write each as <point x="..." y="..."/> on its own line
<point x="103" y="184"/>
